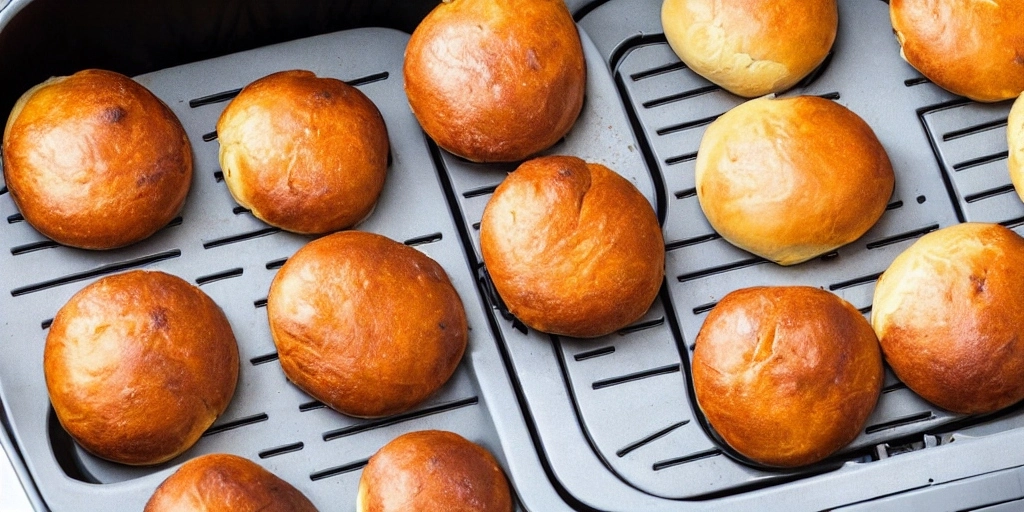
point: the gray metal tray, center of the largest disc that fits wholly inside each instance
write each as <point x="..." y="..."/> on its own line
<point x="606" y="424"/>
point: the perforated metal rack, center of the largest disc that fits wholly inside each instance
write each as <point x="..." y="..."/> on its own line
<point x="606" y="424"/>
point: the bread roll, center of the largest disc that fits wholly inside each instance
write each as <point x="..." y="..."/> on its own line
<point x="226" y="483"/>
<point x="496" y="80"/>
<point x="94" y="160"/>
<point x="949" y="317"/>
<point x="968" y="47"/>
<point x="572" y="247"/>
<point x="751" y="48"/>
<point x="786" y="375"/>
<point x="366" y="325"/>
<point x="790" y="179"/>
<point x="303" y="153"/>
<point x="433" y="470"/>
<point x="138" y="365"/>
<point x="1015" y="140"/>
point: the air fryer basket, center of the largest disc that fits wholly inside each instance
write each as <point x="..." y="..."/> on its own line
<point x="605" y="424"/>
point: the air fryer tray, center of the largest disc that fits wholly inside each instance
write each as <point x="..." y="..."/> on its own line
<point x="607" y="424"/>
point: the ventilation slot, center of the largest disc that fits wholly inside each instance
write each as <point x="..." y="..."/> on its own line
<point x="276" y="264"/>
<point x="684" y="194"/>
<point x="477" y="192"/>
<point x="312" y="406"/>
<point x="721" y="269"/>
<point x="680" y="159"/>
<point x="899" y="422"/>
<point x="910" y="82"/>
<point x="281" y="450"/>
<point x="32" y="247"/>
<point x="632" y="377"/>
<point x="902" y="237"/>
<point x="643" y="326"/>
<point x="692" y="241"/>
<point x="658" y="466"/>
<point x="239" y="423"/>
<point x="971" y="130"/>
<point x="218" y="176"/>
<point x="260" y="303"/>
<point x="590" y="354"/>
<point x="647" y="440"/>
<point x="338" y="470"/>
<point x="894" y="205"/>
<point x="830" y="96"/>
<point x="704" y="308"/>
<point x="976" y="162"/>
<point x="265" y="358"/>
<point x="990" y="193"/>
<point x="15" y="218"/>
<point x="47" y="323"/>
<point x="896" y="386"/>
<point x="857" y="281"/>
<point x="238" y="210"/>
<point x="239" y="238"/>
<point x="687" y="125"/>
<point x="97" y="272"/>
<point x="680" y="96"/>
<point x="210" y="137"/>
<point x="214" y="98"/>
<point x="219" y="276"/>
<point x="393" y="420"/>
<point x="660" y="70"/>
<point x="423" y="240"/>
<point x="368" y="79"/>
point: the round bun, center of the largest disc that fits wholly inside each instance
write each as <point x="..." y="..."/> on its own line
<point x="433" y="470"/>
<point x="786" y="375"/>
<point x="572" y="247"/>
<point x="1015" y="140"/>
<point x="138" y="365"/>
<point x="496" y="80"/>
<point x="366" y="325"/>
<point x="751" y="48"/>
<point x="971" y="48"/>
<point x="949" y="316"/>
<point x="790" y="179"/>
<point x="226" y="483"/>
<point x="303" y="153"/>
<point x="94" y="160"/>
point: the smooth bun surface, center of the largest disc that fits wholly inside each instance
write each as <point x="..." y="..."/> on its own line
<point x="751" y="48"/>
<point x="790" y="179"/>
<point x="366" y="325"/>
<point x="138" y="365"/>
<point x="948" y="313"/>
<point x="226" y="483"/>
<point x="572" y="247"/>
<point x="786" y="375"/>
<point x="94" y="160"/>
<point x="433" y="470"/>
<point x="969" y="47"/>
<point x="1015" y="141"/>
<point x="303" y="153"/>
<point x="496" y="80"/>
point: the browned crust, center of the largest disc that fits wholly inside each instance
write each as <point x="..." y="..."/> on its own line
<point x="226" y="483"/>
<point x="786" y="375"/>
<point x="366" y="325"/>
<point x="572" y="247"/>
<point x="496" y="80"/>
<point x="948" y="315"/>
<point x="433" y="470"/>
<point x="790" y="179"/>
<point x="138" y="365"/>
<point x="974" y="48"/>
<point x="304" y="153"/>
<point x="95" y="160"/>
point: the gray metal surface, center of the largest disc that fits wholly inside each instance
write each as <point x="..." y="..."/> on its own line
<point x="233" y="257"/>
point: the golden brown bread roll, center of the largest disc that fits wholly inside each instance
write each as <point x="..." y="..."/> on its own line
<point x="949" y="318"/>
<point x="969" y="47"/>
<point x="220" y="482"/>
<point x="572" y="247"/>
<point x="94" y="160"/>
<point x="751" y="48"/>
<point x="138" y="365"/>
<point x="496" y="80"/>
<point x="790" y="179"/>
<point x="433" y="470"/>
<point x="786" y="375"/>
<point x="1015" y="141"/>
<point x="366" y="325"/>
<point x="303" y="153"/>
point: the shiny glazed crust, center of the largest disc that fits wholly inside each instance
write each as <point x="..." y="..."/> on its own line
<point x="948" y="315"/>
<point x="226" y="483"/>
<point x="94" y="160"/>
<point x="751" y="48"/>
<point x="496" y="80"/>
<point x="138" y="365"/>
<point x="572" y="247"/>
<point x="303" y="153"/>
<point x="973" y="48"/>
<point x="433" y="470"/>
<point x="790" y="179"/>
<point x="786" y="375"/>
<point x="1015" y="141"/>
<point x="366" y="325"/>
